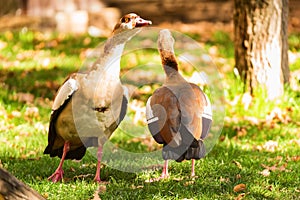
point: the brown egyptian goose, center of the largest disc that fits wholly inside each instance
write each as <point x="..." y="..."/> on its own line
<point x="178" y="113"/>
<point x="89" y="106"/>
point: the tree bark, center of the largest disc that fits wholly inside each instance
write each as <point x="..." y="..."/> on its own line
<point x="261" y="45"/>
<point x="12" y="188"/>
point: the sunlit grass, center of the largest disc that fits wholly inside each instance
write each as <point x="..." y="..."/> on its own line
<point x="36" y="63"/>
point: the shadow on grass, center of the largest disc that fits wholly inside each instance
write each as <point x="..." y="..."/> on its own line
<point x="217" y="173"/>
<point x="40" y="83"/>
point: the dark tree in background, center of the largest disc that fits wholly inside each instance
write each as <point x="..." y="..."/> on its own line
<point x="261" y="44"/>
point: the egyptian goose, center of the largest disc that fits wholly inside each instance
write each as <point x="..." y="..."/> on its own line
<point x="178" y="113"/>
<point x="89" y="106"/>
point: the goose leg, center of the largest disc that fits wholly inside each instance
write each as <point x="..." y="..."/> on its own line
<point x="59" y="172"/>
<point x="99" y="157"/>
<point x="164" y="174"/>
<point x="193" y="168"/>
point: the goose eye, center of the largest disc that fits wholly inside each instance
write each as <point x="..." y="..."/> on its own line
<point x="125" y="20"/>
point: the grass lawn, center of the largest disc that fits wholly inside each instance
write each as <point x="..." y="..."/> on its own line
<point x="257" y="156"/>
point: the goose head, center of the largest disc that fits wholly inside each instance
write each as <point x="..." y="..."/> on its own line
<point x="129" y="22"/>
<point x="165" y="41"/>
<point x="165" y="44"/>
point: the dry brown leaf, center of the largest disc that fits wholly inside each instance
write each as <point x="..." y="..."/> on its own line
<point x="240" y="196"/>
<point x="222" y="138"/>
<point x="238" y="176"/>
<point x="276" y="168"/>
<point x="225" y="180"/>
<point x="278" y="115"/>
<point x="239" y="187"/>
<point x="237" y="164"/>
<point x="265" y="172"/>
<point x="246" y="100"/>
<point x="32" y="112"/>
<point x="16" y="113"/>
<point x="45" y="195"/>
<point x="2" y="44"/>
<point x="295" y="141"/>
<point x="270" y="188"/>
<point x="178" y="179"/>
<point x="72" y="169"/>
<point x="241" y="132"/>
<point x="24" y="97"/>
<point x="102" y="188"/>
<point x="252" y="120"/>
<point x="96" y="195"/>
<point x="270" y="146"/>
<point x="137" y="187"/>
<point x="189" y="183"/>
<point x="295" y="158"/>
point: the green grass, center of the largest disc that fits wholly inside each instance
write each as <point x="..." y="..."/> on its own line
<point x="36" y="63"/>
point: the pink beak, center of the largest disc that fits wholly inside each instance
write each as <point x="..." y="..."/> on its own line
<point x="140" y="22"/>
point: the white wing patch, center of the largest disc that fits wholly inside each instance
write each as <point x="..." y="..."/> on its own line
<point x="207" y="112"/>
<point x="64" y="92"/>
<point x="125" y="92"/>
<point x="149" y="112"/>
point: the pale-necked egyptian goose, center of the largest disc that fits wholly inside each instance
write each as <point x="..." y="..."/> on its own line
<point x="178" y="113"/>
<point x="89" y="106"/>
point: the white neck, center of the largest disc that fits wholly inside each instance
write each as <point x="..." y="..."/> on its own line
<point x="111" y="54"/>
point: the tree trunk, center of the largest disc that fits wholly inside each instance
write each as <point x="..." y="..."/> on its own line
<point x="12" y="188"/>
<point x="261" y="46"/>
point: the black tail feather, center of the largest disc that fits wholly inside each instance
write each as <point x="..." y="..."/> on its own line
<point x="184" y="152"/>
<point x="72" y="154"/>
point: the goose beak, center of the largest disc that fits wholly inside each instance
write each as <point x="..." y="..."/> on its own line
<point x="140" y="22"/>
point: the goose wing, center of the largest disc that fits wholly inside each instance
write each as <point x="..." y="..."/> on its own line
<point x="65" y="92"/>
<point x="163" y="116"/>
<point x="174" y="115"/>
<point x="61" y="100"/>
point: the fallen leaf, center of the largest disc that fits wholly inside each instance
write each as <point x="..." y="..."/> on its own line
<point x="24" y="97"/>
<point x="252" y="120"/>
<point x="2" y="44"/>
<point x="276" y="168"/>
<point x="295" y="158"/>
<point x="189" y="183"/>
<point x="237" y="164"/>
<point x="96" y="195"/>
<point x="225" y="180"/>
<point x="102" y="189"/>
<point x="72" y="169"/>
<point x="45" y="195"/>
<point x="270" y="188"/>
<point x="265" y="172"/>
<point x="246" y="100"/>
<point x="178" y="179"/>
<point x="239" y="187"/>
<point x="32" y="112"/>
<point x="238" y="176"/>
<point x="16" y="113"/>
<point x="241" y="132"/>
<point x="295" y="141"/>
<point x="240" y="196"/>
<point x="270" y="146"/>
<point x="278" y="115"/>
<point x="137" y="187"/>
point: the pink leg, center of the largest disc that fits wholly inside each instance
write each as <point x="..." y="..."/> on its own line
<point x="59" y="172"/>
<point x="193" y="168"/>
<point x="164" y="174"/>
<point x="99" y="157"/>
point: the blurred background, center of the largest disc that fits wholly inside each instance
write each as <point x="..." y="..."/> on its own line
<point x="43" y="41"/>
<point x="99" y="16"/>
